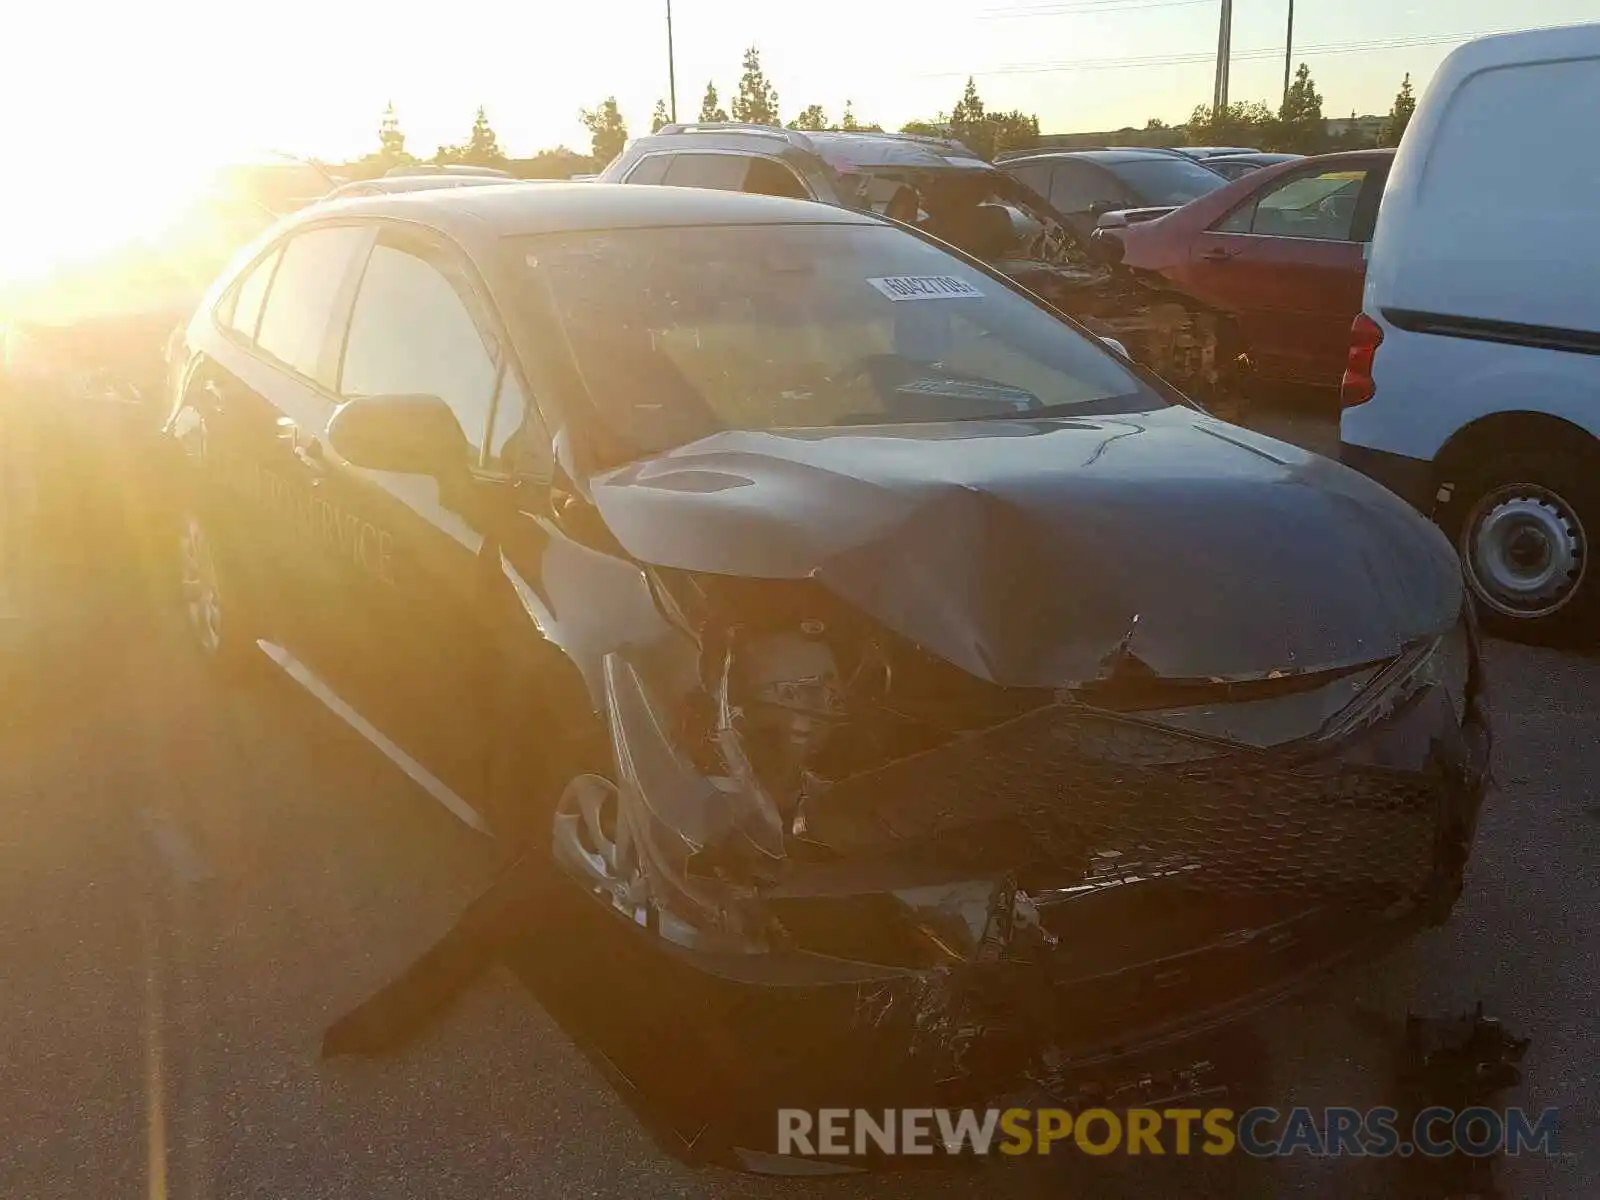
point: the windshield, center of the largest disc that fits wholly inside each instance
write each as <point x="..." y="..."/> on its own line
<point x="1167" y="180"/>
<point x="680" y="333"/>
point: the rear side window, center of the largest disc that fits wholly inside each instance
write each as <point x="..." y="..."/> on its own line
<point x="768" y="177"/>
<point x="413" y="332"/>
<point x="305" y="291"/>
<point x="650" y="170"/>
<point x="249" y="295"/>
<point x="721" y="172"/>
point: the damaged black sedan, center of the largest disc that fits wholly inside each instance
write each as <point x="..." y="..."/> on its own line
<point x="831" y="610"/>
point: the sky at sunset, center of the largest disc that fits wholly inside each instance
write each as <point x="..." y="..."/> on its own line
<point x="153" y="95"/>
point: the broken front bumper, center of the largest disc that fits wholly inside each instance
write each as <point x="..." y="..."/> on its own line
<point x="1060" y="891"/>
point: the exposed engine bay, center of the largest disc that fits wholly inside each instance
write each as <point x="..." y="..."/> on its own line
<point x="806" y="796"/>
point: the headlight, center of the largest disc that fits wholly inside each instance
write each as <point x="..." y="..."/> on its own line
<point x="1429" y="679"/>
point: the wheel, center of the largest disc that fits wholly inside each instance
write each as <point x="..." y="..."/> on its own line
<point x="215" y="615"/>
<point x="1522" y="526"/>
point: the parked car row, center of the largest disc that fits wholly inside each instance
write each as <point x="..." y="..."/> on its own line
<point x="942" y="188"/>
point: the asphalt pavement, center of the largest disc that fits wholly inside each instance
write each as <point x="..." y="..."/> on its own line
<point x="196" y="878"/>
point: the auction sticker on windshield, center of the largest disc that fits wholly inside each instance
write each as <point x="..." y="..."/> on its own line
<point x="925" y="287"/>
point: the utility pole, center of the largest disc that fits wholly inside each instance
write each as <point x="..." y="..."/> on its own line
<point x="672" y="70"/>
<point x="1288" y="53"/>
<point x="1219" y="98"/>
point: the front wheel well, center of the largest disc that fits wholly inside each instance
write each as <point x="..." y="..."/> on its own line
<point x="1474" y="447"/>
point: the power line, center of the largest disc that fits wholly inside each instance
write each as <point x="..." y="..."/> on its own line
<point x="1174" y="60"/>
<point x="1086" y="10"/>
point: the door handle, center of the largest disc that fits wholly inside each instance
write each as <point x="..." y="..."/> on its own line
<point x="310" y="456"/>
<point x="1217" y="254"/>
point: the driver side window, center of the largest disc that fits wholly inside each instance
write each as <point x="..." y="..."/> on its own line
<point x="1320" y="206"/>
<point x="413" y="332"/>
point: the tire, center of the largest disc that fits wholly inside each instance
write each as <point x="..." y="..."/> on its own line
<point x="216" y="617"/>
<point x="545" y="736"/>
<point x="1524" y="527"/>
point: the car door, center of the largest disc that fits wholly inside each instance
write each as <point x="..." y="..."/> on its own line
<point x="1289" y="263"/>
<point x="261" y="397"/>
<point x="405" y="636"/>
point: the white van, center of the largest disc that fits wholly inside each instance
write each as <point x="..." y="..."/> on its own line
<point x="1473" y="387"/>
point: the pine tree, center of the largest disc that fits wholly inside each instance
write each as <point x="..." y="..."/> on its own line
<point x="1405" y="106"/>
<point x="970" y="124"/>
<point x="391" y="142"/>
<point x="660" y="117"/>
<point x="757" y="101"/>
<point x="711" y="108"/>
<point x="483" y="148"/>
<point x="1300" y="124"/>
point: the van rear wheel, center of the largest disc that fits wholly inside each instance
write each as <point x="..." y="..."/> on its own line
<point x="1523" y="527"/>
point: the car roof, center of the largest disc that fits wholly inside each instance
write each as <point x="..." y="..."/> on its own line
<point x="1128" y="154"/>
<point x="842" y="150"/>
<point x="1515" y="49"/>
<point x="418" y="183"/>
<point x="516" y="208"/>
<point x="1254" y="156"/>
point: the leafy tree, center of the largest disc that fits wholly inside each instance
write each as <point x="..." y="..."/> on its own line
<point x="1405" y="106"/>
<point x="757" y="101"/>
<point x="557" y="163"/>
<point x="711" y="108"/>
<point x="1300" y="124"/>
<point x="811" y="119"/>
<point x="1240" y="123"/>
<point x="849" y="123"/>
<point x="1013" y="130"/>
<point x="660" y="117"/>
<point x="924" y="128"/>
<point x="607" y="131"/>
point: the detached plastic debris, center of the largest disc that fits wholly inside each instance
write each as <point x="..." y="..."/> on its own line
<point x="1457" y="1063"/>
<point x="1460" y="1061"/>
<point x="392" y="1017"/>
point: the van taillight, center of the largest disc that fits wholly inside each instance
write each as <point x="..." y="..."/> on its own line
<point x="1366" y="335"/>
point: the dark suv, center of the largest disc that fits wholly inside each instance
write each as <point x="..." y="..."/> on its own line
<point x="1084" y="185"/>
<point x="943" y="188"/>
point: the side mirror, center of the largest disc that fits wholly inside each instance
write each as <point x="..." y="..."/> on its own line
<point x="1106" y="248"/>
<point x="1113" y="344"/>
<point x="418" y="435"/>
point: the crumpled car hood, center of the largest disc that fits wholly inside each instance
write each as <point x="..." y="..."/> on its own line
<point x="1040" y="553"/>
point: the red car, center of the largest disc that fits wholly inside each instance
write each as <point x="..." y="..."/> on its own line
<point x="1282" y="251"/>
